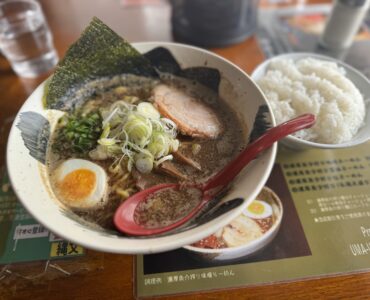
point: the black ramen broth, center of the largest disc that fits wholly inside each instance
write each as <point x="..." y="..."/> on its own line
<point x="166" y="206"/>
<point x="93" y="133"/>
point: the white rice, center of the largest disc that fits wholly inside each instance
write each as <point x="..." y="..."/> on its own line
<point x="319" y="87"/>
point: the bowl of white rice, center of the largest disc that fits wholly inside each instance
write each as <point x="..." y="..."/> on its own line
<point x="336" y="93"/>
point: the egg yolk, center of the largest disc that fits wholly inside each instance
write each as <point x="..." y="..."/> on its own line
<point x="77" y="185"/>
<point x="256" y="208"/>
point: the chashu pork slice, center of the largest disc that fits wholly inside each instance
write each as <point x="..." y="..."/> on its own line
<point x="191" y="116"/>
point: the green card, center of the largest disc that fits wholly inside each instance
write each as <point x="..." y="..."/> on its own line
<point x="23" y="239"/>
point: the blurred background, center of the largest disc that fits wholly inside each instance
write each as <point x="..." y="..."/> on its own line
<point x="278" y="25"/>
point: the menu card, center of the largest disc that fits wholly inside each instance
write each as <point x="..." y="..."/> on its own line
<point x="325" y="229"/>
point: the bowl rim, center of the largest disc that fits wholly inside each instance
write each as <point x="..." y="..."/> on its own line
<point x="298" y="55"/>
<point x="137" y="245"/>
<point x="274" y="228"/>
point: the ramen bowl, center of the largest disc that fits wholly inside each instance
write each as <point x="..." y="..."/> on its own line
<point x="28" y="143"/>
<point x="247" y="234"/>
<point x="360" y="81"/>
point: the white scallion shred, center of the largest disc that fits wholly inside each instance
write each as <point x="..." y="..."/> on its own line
<point x="163" y="159"/>
<point x="109" y="117"/>
<point x="138" y="134"/>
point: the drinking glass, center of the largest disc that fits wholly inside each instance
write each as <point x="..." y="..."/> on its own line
<point x="25" y="38"/>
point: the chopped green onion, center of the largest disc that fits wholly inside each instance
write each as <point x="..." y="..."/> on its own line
<point x="147" y="110"/>
<point x="144" y="163"/>
<point x="77" y="134"/>
<point x="174" y="146"/>
<point x="160" y="144"/>
<point x="138" y="133"/>
<point x="107" y="141"/>
<point x="138" y="129"/>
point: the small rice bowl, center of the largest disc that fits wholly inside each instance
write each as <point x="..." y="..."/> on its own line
<point x="311" y="85"/>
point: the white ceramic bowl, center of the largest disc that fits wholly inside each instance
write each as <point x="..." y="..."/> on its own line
<point x="248" y="249"/>
<point x="30" y="183"/>
<point x="359" y="80"/>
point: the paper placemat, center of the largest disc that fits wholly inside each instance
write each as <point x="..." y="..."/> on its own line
<point x="325" y="230"/>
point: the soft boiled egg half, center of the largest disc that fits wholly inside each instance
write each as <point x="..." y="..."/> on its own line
<point x="258" y="210"/>
<point x="81" y="183"/>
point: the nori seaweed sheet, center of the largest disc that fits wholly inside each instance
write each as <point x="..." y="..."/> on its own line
<point x="260" y="125"/>
<point x="162" y="59"/>
<point x="99" y="52"/>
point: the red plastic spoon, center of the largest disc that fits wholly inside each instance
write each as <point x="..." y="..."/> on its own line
<point x="124" y="217"/>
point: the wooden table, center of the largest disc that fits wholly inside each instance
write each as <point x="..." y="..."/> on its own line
<point x="114" y="277"/>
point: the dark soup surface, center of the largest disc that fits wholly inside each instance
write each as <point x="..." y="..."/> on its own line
<point x="166" y="207"/>
<point x="132" y="133"/>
